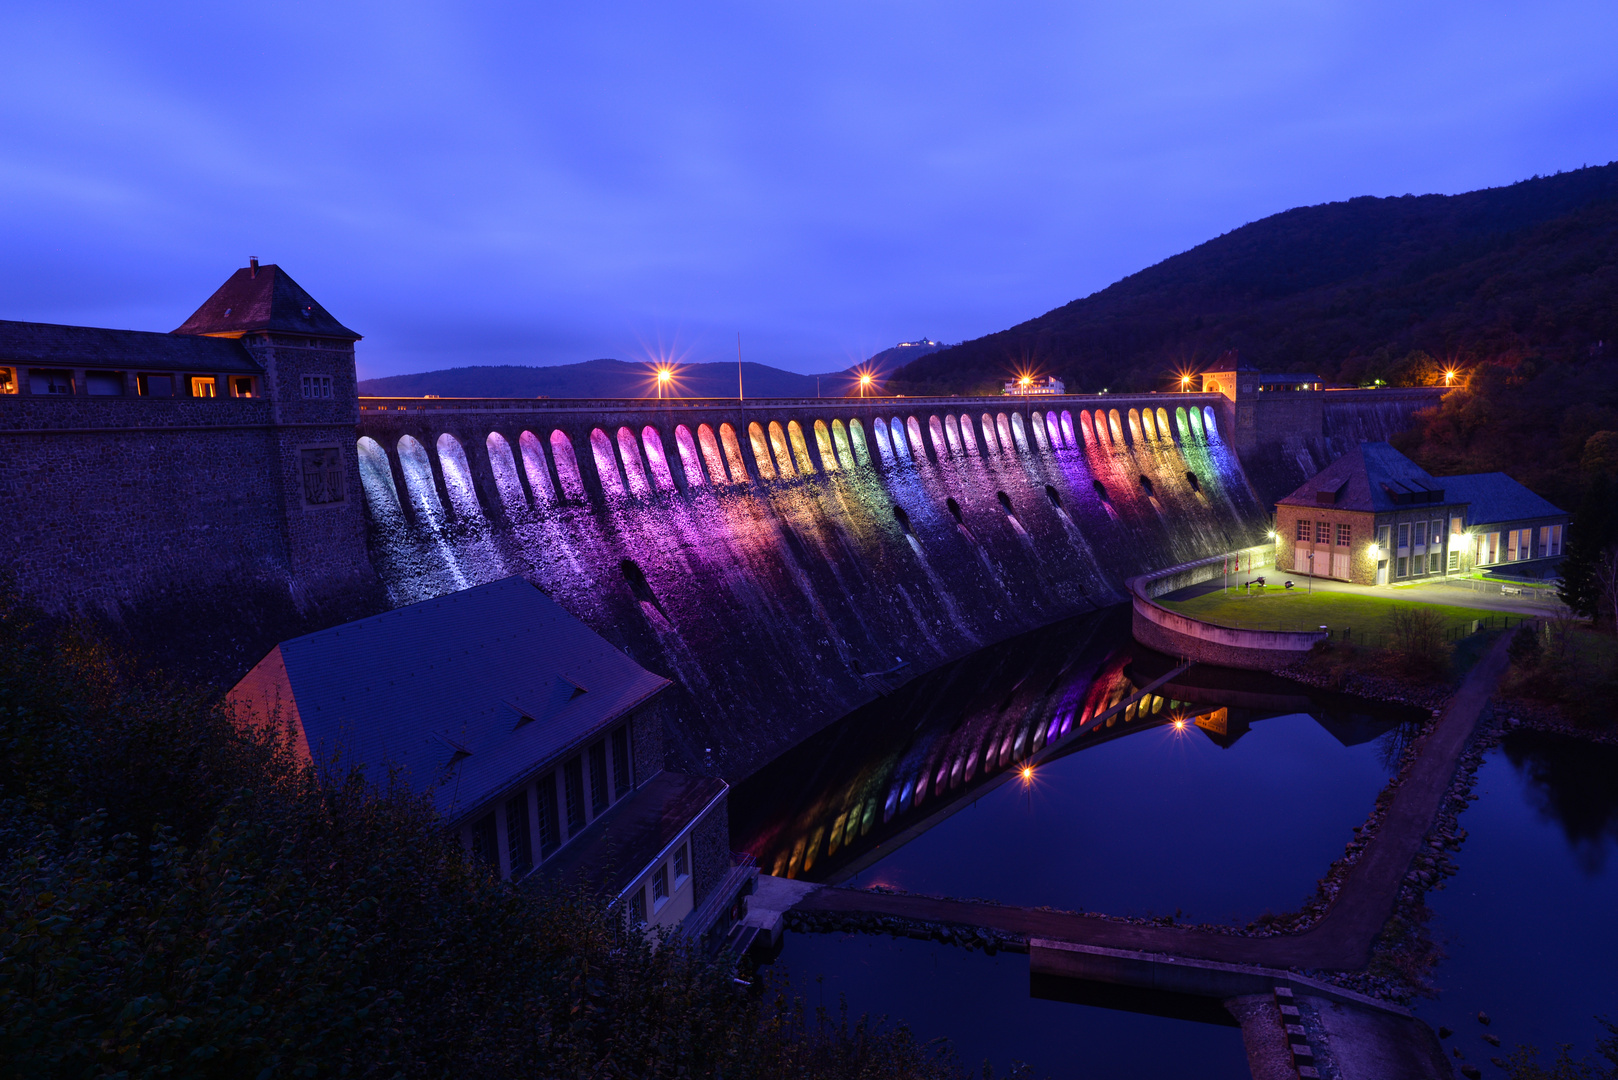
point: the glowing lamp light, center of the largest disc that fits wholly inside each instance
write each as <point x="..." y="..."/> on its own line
<point x="664" y="375"/>
<point x="1026" y="380"/>
<point x="1273" y="536"/>
<point x="1449" y="377"/>
<point x="865" y="380"/>
<point x="1179" y="723"/>
<point x="1027" y="772"/>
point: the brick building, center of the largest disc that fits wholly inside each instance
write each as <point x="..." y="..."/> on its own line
<point x="1374" y="517"/>
<point x="539" y="743"/>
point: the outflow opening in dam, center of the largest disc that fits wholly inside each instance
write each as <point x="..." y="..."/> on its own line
<point x="783" y="551"/>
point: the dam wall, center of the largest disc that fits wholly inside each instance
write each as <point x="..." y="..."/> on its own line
<point x="1280" y="454"/>
<point x="786" y="561"/>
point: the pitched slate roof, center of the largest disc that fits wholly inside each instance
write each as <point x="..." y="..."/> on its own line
<point x="1496" y="497"/>
<point x="89" y="346"/>
<point x="263" y="298"/>
<point x="466" y="694"/>
<point x="1368" y="478"/>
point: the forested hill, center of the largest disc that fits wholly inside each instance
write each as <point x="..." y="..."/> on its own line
<point x="1347" y="290"/>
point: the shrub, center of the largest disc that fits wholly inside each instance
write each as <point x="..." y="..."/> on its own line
<point x="1418" y="640"/>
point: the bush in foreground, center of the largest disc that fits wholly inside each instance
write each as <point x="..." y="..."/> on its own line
<point x="177" y="899"/>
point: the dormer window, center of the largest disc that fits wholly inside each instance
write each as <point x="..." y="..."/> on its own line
<point x="203" y="386"/>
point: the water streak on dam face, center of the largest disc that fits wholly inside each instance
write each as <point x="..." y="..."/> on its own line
<point x="784" y="566"/>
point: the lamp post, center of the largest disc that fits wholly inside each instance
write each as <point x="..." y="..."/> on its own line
<point x="663" y="377"/>
<point x="865" y="380"/>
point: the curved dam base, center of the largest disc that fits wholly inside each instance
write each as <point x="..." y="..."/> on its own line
<point x="1156" y="627"/>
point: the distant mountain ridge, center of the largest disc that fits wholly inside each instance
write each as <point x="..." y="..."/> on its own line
<point x="1343" y="289"/>
<point x="606" y="379"/>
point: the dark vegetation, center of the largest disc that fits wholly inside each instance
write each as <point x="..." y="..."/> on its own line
<point x="181" y="901"/>
<point x="1346" y="290"/>
<point x="1524" y="1064"/>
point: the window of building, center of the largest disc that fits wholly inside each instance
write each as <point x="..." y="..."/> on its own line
<point x="485" y="842"/>
<point x="660" y="886"/>
<point x="1556" y="541"/>
<point x="241" y="386"/>
<point x="1303" y="532"/>
<point x="1343" y="532"/>
<point x="519" y="848"/>
<point x="1511" y="546"/>
<point x="622" y="779"/>
<point x="8" y="380"/>
<point x="1434" y="562"/>
<point x="50" y="382"/>
<point x="573" y="782"/>
<point x="1418" y="533"/>
<point x="317" y="386"/>
<point x="1401" y="567"/>
<point x="550" y="830"/>
<point x="1454" y="559"/>
<point x="322" y="475"/>
<point x="154" y="385"/>
<point x="1404" y="539"/>
<point x="1322" y="532"/>
<point x="1457" y="525"/>
<point x="1525" y="544"/>
<point x="599" y="793"/>
<point x="203" y="386"/>
<point x="682" y="864"/>
<point x="104" y="383"/>
<point x="637" y="907"/>
<point x="1383" y="535"/>
<point x="1438" y="533"/>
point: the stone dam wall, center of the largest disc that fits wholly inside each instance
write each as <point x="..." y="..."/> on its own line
<point x="784" y="561"/>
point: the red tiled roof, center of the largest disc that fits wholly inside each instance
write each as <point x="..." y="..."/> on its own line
<point x="263" y="298"/>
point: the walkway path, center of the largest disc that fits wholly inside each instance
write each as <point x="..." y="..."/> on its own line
<point x="1340" y="941"/>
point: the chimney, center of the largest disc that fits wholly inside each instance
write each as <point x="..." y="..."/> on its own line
<point x="252" y="266"/>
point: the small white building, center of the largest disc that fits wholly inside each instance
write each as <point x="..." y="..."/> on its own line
<point x="1028" y="386"/>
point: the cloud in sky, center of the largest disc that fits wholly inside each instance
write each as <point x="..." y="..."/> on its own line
<point x="520" y="183"/>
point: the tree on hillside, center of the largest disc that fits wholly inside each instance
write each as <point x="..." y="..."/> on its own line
<point x="1592" y="542"/>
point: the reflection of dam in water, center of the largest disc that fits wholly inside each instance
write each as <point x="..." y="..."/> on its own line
<point x="852" y="795"/>
<point x="773" y="558"/>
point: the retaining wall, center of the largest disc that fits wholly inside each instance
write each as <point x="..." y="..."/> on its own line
<point x="1157" y="627"/>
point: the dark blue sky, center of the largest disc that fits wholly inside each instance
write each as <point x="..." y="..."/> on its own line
<point x="523" y="183"/>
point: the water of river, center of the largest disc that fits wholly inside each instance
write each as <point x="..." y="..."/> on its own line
<point x="1236" y="812"/>
<point x="1529" y="921"/>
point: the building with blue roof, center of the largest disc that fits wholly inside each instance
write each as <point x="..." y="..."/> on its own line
<point x="1374" y="517"/>
<point x="539" y="743"/>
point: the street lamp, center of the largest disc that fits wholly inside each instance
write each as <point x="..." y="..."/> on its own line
<point x="665" y="375"/>
<point x="1449" y="377"/>
<point x="865" y="380"/>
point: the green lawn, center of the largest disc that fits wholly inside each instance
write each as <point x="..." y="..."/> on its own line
<point x="1366" y="616"/>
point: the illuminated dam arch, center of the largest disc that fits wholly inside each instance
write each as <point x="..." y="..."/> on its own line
<point x="839" y="438"/>
<point x="1182" y="425"/>
<point x="879" y="429"/>
<point x="458" y="476"/>
<point x="1019" y="432"/>
<point x="1054" y="426"/>
<point x="376" y="477"/>
<point x="969" y="442"/>
<point x="1196" y="423"/>
<point x="504" y="467"/>
<point x="606" y="462"/>
<point x="634" y="470"/>
<point x="657" y="459"/>
<point x="935" y="431"/>
<point x="1036" y="422"/>
<point x="896" y="428"/>
<point x="991" y="445"/>
<point x="1067" y="429"/>
<point x="952" y="434"/>
<point x="1135" y="435"/>
<point x="1148" y="424"/>
<point x="712" y="456"/>
<point x="1210" y="423"/>
<point x="1116" y="427"/>
<point x="828" y="457"/>
<point x="783" y="452"/>
<point x="1164" y="432"/>
<point x="418" y="478"/>
<point x="733" y="454"/>
<point x="567" y="466"/>
<point x="918" y="448"/>
<point x="690" y="456"/>
<point x="533" y="463"/>
<point x="856" y="436"/>
<point x="761" y="451"/>
<point x="800" y="448"/>
<point x="1002" y="427"/>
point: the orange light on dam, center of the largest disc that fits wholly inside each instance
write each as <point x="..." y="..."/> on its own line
<point x="1027" y="773"/>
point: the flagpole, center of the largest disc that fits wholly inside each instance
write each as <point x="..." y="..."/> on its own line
<point x="739" y="395"/>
